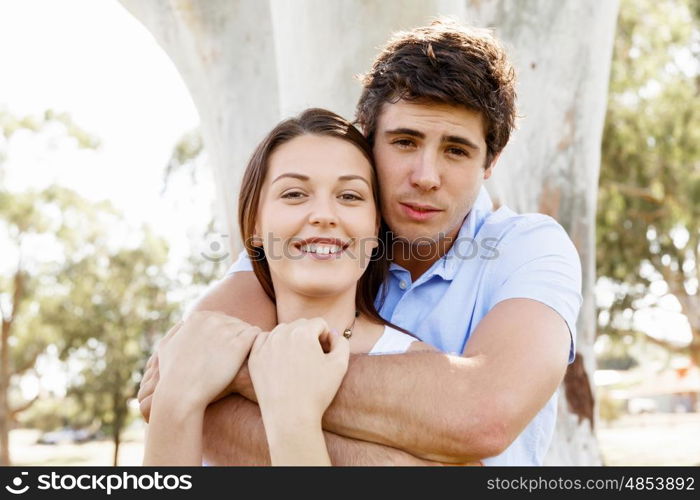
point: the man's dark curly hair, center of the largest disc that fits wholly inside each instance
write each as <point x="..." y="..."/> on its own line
<point x="444" y="63"/>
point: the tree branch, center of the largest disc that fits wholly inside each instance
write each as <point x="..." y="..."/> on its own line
<point x="667" y="345"/>
<point x="637" y="192"/>
<point x="16" y="411"/>
<point x="18" y="293"/>
<point x="28" y="364"/>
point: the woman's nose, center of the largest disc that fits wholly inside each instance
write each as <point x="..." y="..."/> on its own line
<point x="323" y="214"/>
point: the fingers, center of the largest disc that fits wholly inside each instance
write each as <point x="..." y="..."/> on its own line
<point x="176" y="327"/>
<point x="248" y="336"/>
<point x="151" y="365"/>
<point x="148" y="385"/>
<point x="317" y="327"/>
<point x="259" y="342"/>
<point x="325" y="340"/>
<point x="339" y="348"/>
<point x="147" y="388"/>
<point x="145" y="407"/>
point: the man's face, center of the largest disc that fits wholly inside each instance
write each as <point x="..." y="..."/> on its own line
<point x="430" y="164"/>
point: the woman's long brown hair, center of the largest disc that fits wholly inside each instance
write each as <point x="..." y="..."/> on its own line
<point x="325" y="123"/>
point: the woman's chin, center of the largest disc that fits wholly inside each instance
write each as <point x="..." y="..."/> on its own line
<point x="322" y="289"/>
<point x="321" y="284"/>
<point x="316" y="282"/>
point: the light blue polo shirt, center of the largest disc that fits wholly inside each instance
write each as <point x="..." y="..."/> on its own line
<point x="498" y="255"/>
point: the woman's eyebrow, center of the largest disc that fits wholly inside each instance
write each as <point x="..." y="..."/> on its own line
<point x="352" y="177"/>
<point x="305" y="178"/>
<point x="293" y="175"/>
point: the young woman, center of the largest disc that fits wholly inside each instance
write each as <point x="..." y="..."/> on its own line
<point x="309" y="219"/>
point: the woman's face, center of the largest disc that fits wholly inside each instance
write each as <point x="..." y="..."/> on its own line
<point x="317" y="218"/>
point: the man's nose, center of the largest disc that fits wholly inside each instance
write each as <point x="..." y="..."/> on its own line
<point x="426" y="175"/>
<point x="323" y="214"/>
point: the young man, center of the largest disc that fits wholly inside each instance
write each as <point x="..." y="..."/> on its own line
<point x="497" y="292"/>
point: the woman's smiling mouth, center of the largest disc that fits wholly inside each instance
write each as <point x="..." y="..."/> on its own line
<point x="321" y="248"/>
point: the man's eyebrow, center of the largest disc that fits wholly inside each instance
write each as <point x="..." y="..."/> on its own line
<point x="456" y="139"/>
<point x="352" y="177"/>
<point x="406" y="131"/>
<point x="293" y="175"/>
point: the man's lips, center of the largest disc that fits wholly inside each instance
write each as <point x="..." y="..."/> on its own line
<point x="421" y="207"/>
<point x="419" y="212"/>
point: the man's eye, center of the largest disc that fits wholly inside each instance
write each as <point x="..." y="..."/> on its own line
<point x="457" y="152"/>
<point x="293" y="195"/>
<point x="403" y="143"/>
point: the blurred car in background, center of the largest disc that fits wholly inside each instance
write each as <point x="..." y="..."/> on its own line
<point x="67" y="435"/>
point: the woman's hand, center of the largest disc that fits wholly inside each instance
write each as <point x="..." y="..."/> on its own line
<point x="290" y="371"/>
<point x="197" y="361"/>
<point x="295" y="382"/>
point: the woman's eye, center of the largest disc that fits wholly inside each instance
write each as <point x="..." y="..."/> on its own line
<point x="293" y="195"/>
<point x="350" y="197"/>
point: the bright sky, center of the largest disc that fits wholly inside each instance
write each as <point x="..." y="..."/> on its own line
<point x="92" y="59"/>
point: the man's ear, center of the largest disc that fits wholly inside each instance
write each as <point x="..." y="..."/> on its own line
<point x="489" y="169"/>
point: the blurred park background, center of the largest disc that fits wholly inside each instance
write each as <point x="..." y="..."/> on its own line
<point x="110" y="229"/>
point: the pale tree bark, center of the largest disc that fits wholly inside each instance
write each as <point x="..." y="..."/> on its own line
<point x="562" y="52"/>
<point x="322" y="45"/>
<point x="249" y="63"/>
<point x="224" y="52"/>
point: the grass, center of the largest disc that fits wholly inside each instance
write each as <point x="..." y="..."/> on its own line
<point x="654" y="439"/>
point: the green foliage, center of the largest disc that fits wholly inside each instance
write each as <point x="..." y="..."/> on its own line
<point x="649" y="197"/>
<point x="77" y="286"/>
<point x="10" y="124"/>
<point x="52" y="413"/>
<point x="610" y="409"/>
<point x="188" y="150"/>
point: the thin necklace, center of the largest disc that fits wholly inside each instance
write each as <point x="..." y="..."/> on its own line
<point x="348" y="331"/>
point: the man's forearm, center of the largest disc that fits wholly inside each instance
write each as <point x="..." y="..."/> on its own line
<point x="458" y="408"/>
<point x="234" y="435"/>
<point x="411" y="402"/>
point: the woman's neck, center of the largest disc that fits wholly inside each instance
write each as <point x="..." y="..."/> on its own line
<point x="337" y="310"/>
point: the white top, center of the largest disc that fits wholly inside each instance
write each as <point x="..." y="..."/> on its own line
<point x="392" y="341"/>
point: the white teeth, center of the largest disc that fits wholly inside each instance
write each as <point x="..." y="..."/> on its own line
<point x="321" y="249"/>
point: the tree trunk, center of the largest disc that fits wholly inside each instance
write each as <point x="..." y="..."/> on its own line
<point x="5" y="418"/>
<point x="562" y="52"/>
<point x="309" y="35"/>
<point x="255" y="59"/>
<point x="117" y="441"/>
<point x="224" y="52"/>
<point x="119" y="417"/>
